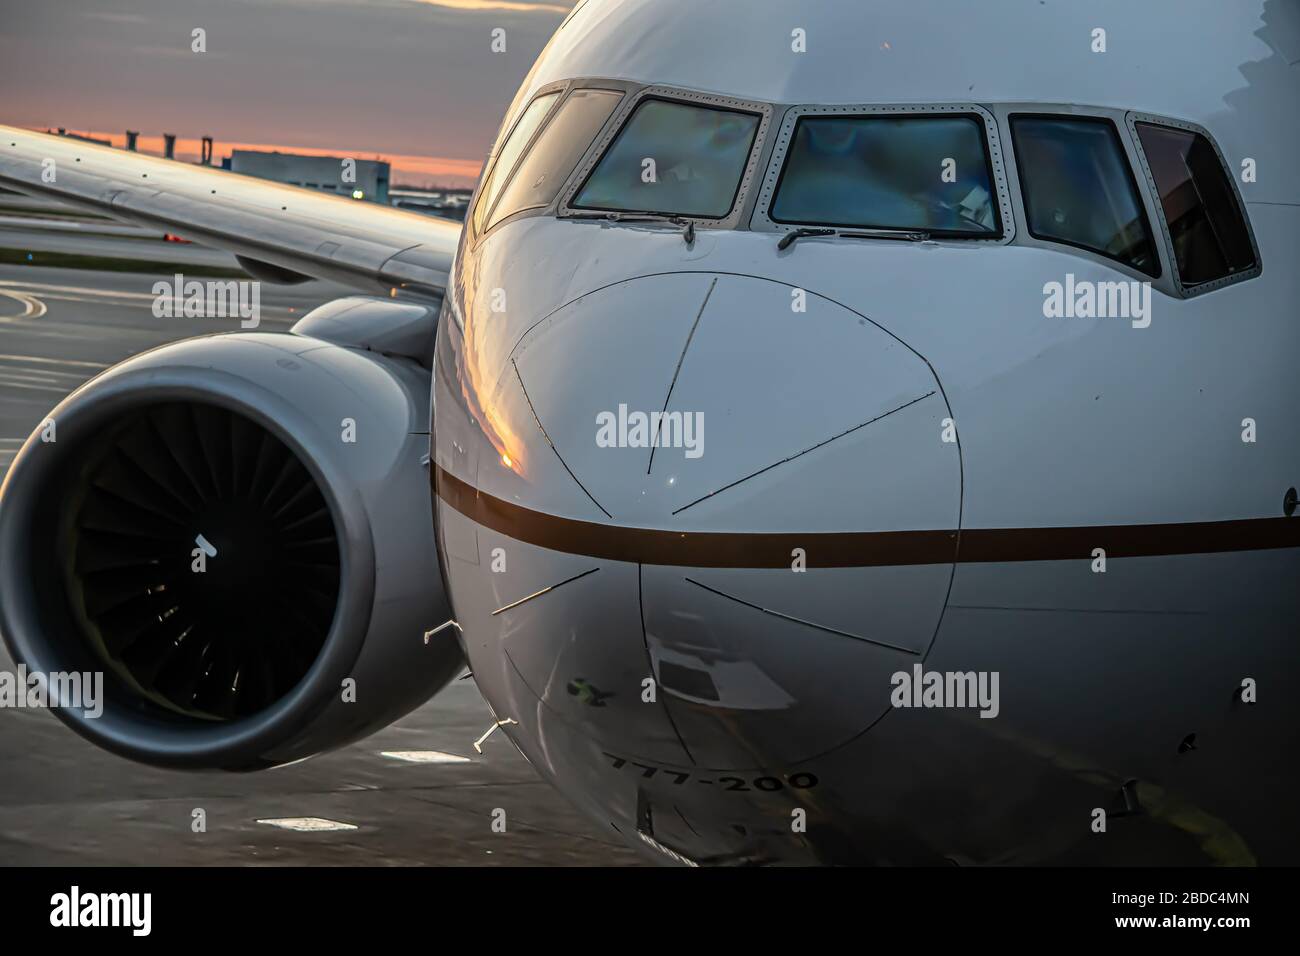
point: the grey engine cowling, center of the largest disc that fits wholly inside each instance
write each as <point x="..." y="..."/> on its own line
<point x="229" y="528"/>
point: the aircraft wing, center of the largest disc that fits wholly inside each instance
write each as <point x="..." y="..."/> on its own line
<point x="303" y="231"/>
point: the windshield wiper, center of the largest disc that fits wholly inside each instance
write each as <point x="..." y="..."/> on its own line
<point x="909" y="235"/>
<point x="804" y="232"/>
<point x="794" y="235"/>
<point x="641" y="215"/>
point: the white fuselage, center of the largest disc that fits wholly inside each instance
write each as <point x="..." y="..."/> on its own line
<point x="957" y="406"/>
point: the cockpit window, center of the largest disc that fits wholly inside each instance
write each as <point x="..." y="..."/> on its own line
<point x="1209" y="234"/>
<point x="556" y="151"/>
<point x="1079" y="190"/>
<point x="927" y="173"/>
<point x="674" y="158"/>
<point x="509" y="154"/>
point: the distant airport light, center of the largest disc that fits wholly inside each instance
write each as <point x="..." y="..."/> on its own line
<point x="307" y="824"/>
<point x="423" y="756"/>
<point x="358" y="194"/>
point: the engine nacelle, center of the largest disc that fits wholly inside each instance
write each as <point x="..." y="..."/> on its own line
<point x="230" y="528"/>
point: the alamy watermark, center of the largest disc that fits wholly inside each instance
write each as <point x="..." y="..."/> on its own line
<point x="955" y="689"/>
<point x="192" y="299"/>
<point x="70" y="690"/>
<point x="133" y="911"/>
<point x="1085" y="299"/>
<point x="626" y="429"/>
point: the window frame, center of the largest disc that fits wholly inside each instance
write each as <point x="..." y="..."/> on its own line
<point x="489" y="218"/>
<point x="623" y="115"/>
<point x="954" y="234"/>
<point x="564" y="87"/>
<point x="1131" y="119"/>
<point x="762" y="220"/>
<point x="1146" y="199"/>
<point x="768" y="154"/>
<point x="489" y="168"/>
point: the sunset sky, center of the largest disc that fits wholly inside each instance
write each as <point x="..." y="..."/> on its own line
<point x="411" y="81"/>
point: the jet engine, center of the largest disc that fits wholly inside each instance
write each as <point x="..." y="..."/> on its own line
<point x="236" y="531"/>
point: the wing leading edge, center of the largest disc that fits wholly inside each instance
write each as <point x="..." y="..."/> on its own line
<point x="361" y="244"/>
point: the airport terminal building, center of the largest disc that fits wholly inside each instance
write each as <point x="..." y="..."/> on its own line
<point x="314" y="172"/>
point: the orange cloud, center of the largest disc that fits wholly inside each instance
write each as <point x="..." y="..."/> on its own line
<point x="507" y="5"/>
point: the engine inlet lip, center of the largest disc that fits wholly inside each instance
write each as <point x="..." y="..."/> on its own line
<point x="138" y="734"/>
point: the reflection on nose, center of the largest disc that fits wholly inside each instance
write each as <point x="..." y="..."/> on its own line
<point x="766" y="668"/>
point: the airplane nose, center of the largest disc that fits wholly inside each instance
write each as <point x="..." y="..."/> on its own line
<point x="779" y="509"/>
